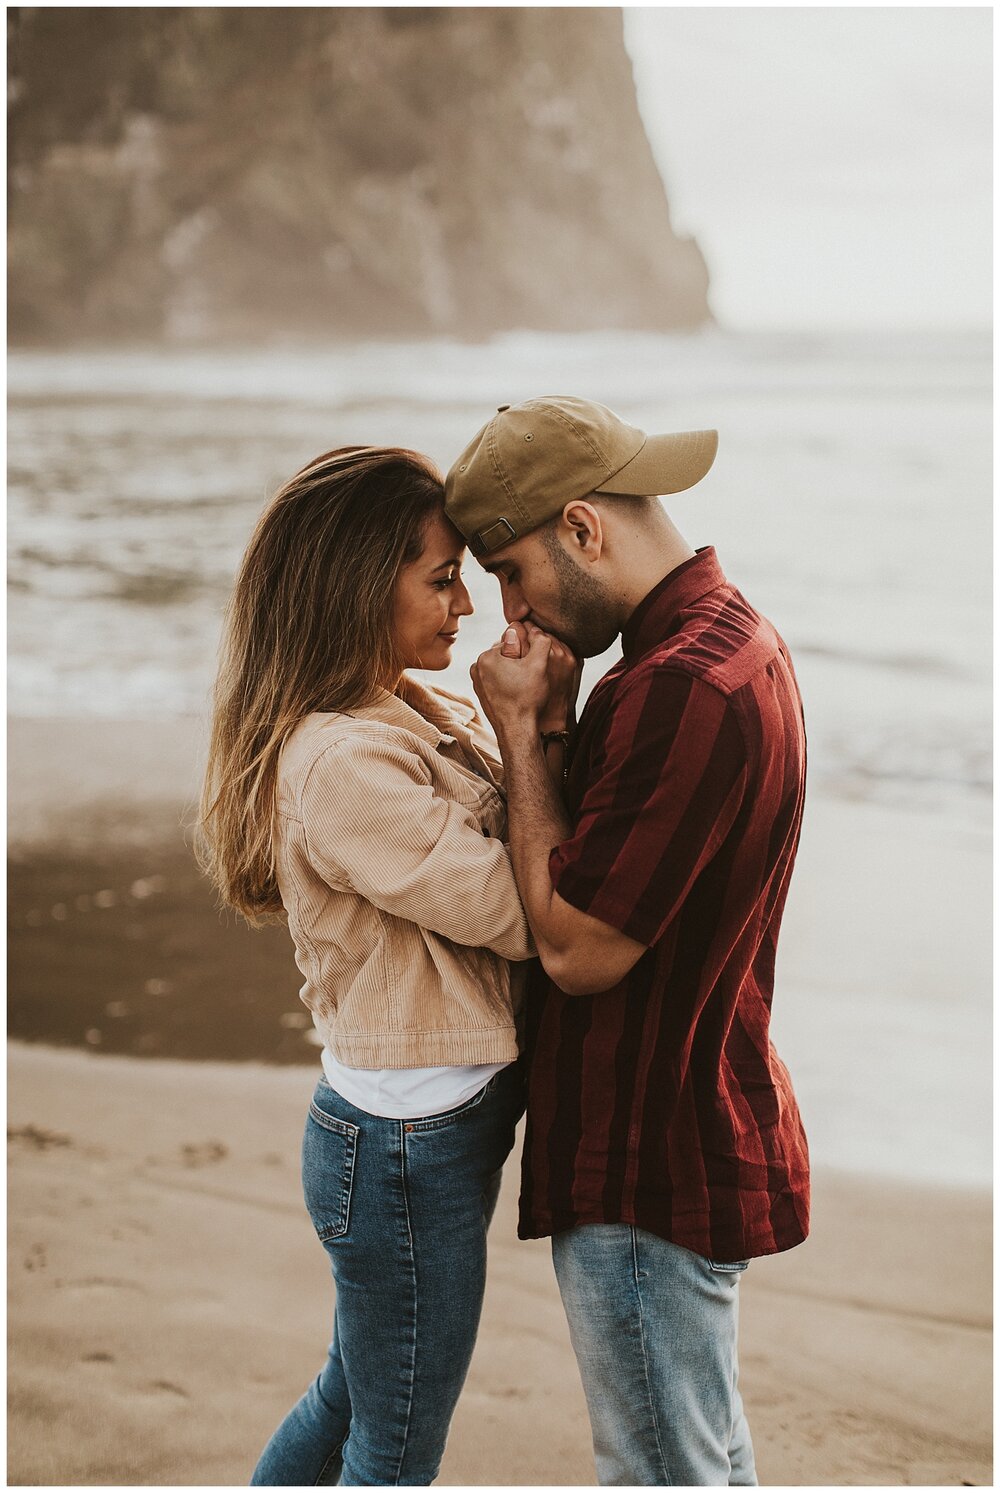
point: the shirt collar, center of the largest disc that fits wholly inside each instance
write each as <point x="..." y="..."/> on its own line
<point x="653" y="618"/>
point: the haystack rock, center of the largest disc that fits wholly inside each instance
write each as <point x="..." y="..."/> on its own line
<point x="205" y="174"/>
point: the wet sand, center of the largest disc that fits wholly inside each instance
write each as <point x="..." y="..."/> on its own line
<point x="124" y="949"/>
<point x="116" y="939"/>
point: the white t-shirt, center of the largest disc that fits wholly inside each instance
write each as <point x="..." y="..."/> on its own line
<point x="407" y="1093"/>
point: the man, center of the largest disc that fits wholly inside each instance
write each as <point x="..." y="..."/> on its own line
<point x="664" y="1148"/>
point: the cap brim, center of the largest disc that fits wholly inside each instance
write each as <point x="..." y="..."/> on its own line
<point x="665" y="464"/>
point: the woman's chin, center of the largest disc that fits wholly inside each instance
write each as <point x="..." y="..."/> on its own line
<point x="443" y="658"/>
<point x="436" y="658"/>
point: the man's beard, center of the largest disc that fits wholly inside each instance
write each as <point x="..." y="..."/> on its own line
<point x="586" y="621"/>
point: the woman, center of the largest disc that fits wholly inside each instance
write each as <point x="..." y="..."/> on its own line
<point x="368" y="809"/>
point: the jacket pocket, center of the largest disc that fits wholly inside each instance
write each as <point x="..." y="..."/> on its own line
<point x="329" y="1153"/>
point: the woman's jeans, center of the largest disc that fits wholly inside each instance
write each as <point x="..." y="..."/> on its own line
<point x="402" y="1208"/>
<point x="654" y="1331"/>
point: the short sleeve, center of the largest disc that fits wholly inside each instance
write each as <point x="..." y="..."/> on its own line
<point x="375" y="825"/>
<point x="664" y="795"/>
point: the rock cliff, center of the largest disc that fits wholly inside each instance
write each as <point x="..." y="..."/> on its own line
<point x="206" y="173"/>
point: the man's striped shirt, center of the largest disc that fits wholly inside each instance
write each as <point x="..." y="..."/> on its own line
<point x="661" y="1102"/>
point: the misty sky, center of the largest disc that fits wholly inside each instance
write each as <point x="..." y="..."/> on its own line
<point x="834" y="163"/>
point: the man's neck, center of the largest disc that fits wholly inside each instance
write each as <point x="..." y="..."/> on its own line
<point x="646" y="560"/>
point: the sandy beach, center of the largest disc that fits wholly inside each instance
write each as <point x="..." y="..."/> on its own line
<point x="170" y="1302"/>
<point x="168" y="1298"/>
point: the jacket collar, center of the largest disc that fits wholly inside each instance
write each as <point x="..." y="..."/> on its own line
<point x="430" y="713"/>
<point x="654" y="617"/>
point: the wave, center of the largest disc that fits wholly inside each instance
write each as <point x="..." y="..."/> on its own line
<point x="620" y="368"/>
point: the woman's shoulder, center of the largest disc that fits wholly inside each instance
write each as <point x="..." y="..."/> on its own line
<point x="333" y="742"/>
<point x="316" y="733"/>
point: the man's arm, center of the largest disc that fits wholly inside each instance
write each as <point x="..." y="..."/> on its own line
<point x="673" y="777"/>
<point x="582" y="954"/>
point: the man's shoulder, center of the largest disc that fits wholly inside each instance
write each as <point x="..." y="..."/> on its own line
<point x="649" y="703"/>
<point x="664" y="672"/>
<point x="722" y="647"/>
<point x="692" y="678"/>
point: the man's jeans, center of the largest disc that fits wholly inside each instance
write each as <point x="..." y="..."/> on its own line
<point x="402" y="1208"/>
<point x="654" y="1331"/>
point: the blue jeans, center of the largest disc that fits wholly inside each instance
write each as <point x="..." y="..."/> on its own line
<point x="402" y="1208"/>
<point x="654" y="1332"/>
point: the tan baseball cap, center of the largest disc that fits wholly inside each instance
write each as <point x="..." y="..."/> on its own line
<point x="532" y="459"/>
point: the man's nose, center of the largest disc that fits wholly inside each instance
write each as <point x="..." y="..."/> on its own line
<point x="515" y="608"/>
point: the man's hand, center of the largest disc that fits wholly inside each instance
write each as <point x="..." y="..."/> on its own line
<point x="510" y="695"/>
<point x="511" y="679"/>
<point x="564" y="671"/>
<point x="526" y="683"/>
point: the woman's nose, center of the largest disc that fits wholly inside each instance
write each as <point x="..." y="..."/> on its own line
<point x="462" y="602"/>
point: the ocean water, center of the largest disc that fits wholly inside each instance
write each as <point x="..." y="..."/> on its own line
<point x="850" y="501"/>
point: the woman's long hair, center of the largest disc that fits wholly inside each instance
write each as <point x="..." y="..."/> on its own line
<point x="308" y="627"/>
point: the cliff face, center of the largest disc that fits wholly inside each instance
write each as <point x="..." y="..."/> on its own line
<point x="241" y="173"/>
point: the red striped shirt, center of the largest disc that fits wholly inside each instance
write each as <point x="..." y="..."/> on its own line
<point x="662" y="1102"/>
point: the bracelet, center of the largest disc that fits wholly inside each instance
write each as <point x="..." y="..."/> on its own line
<point x="561" y="736"/>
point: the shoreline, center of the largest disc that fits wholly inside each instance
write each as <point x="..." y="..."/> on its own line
<point x="117" y="943"/>
<point x="865" y="1355"/>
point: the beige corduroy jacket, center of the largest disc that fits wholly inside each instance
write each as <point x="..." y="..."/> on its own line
<point x="389" y="834"/>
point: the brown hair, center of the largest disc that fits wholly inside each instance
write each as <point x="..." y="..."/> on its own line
<point x="308" y="627"/>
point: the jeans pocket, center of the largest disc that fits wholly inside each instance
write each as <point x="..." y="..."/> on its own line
<point x="329" y="1152"/>
<point x="727" y="1267"/>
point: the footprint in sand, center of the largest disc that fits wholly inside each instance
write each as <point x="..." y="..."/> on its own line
<point x="204" y="1153"/>
<point x="38" y="1138"/>
<point x="36" y="1259"/>
<point x="165" y="1387"/>
<point x="106" y="1283"/>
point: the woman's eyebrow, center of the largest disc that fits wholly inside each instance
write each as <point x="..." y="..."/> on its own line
<point x="452" y="561"/>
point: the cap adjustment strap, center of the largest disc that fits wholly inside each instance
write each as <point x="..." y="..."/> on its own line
<point x="491" y="538"/>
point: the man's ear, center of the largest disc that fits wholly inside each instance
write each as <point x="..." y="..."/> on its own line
<point x="586" y="528"/>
